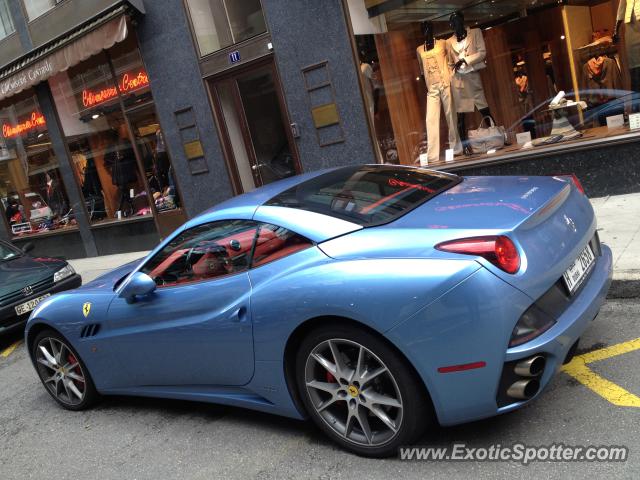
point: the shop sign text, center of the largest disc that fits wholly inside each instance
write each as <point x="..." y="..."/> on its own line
<point x="128" y="83"/>
<point x="18" y="82"/>
<point x="36" y="120"/>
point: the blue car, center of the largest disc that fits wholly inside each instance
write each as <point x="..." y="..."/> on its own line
<point x="373" y="299"/>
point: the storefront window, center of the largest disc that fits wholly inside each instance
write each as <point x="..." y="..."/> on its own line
<point x="35" y="8"/>
<point x="34" y="199"/>
<point x="220" y="23"/>
<point x="477" y="81"/>
<point x="6" y="23"/>
<point x="122" y="172"/>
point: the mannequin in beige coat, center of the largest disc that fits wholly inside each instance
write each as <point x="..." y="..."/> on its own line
<point x="466" y="53"/>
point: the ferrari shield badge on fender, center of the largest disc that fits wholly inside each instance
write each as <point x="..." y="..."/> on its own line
<point x="86" y="309"/>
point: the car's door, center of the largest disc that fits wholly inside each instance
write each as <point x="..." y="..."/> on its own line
<point x="195" y="329"/>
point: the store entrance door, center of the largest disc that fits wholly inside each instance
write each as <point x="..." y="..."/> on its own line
<point x="249" y="107"/>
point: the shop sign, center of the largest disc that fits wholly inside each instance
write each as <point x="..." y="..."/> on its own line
<point x="36" y="120"/>
<point x="31" y="76"/>
<point x="127" y="83"/>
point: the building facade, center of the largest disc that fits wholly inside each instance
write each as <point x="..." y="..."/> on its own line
<point x="123" y="118"/>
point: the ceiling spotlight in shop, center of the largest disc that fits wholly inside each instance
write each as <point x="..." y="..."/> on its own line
<point x="95" y="116"/>
<point x="562" y="37"/>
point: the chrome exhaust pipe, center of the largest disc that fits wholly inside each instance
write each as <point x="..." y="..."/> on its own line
<point x="531" y="367"/>
<point x="523" y="389"/>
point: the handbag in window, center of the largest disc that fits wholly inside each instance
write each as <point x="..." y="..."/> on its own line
<point x="483" y="139"/>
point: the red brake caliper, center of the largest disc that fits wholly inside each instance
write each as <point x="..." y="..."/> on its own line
<point x="331" y="378"/>
<point x="71" y="359"/>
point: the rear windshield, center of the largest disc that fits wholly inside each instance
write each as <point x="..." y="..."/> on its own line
<point x="367" y="195"/>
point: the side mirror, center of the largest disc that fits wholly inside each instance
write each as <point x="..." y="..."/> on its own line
<point x="27" y="247"/>
<point x="138" y="285"/>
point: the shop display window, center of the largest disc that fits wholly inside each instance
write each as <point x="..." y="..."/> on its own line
<point x="472" y="81"/>
<point x="220" y="23"/>
<point x="117" y="147"/>
<point x="33" y="195"/>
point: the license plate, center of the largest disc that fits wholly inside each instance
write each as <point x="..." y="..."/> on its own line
<point x="577" y="272"/>
<point x="26" y="307"/>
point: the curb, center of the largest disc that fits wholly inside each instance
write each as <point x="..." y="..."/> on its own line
<point x="624" y="289"/>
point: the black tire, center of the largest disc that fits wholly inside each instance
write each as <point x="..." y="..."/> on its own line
<point x="87" y="388"/>
<point x="416" y="408"/>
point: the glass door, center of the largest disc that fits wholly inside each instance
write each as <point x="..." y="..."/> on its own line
<point x="256" y="135"/>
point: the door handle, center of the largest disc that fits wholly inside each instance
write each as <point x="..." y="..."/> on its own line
<point x="240" y="315"/>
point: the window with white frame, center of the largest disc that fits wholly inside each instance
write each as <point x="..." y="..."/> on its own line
<point x="36" y="8"/>
<point x="220" y="23"/>
<point x="6" y="23"/>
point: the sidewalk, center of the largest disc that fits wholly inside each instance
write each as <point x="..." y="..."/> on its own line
<point x="92" y="268"/>
<point x="618" y="225"/>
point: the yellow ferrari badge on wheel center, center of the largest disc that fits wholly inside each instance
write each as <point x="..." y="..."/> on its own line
<point x="86" y="309"/>
<point x="353" y="390"/>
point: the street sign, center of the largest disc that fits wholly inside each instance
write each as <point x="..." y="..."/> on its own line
<point x="234" y="57"/>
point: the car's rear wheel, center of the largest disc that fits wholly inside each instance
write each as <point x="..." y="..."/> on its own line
<point x="62" y="371"/>
<point x="360" y="391"/>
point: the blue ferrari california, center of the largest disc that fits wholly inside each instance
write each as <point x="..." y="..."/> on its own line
<point x="373" y="299"/>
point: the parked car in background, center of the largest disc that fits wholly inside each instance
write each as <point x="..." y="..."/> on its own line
<point x="25" y="281"/>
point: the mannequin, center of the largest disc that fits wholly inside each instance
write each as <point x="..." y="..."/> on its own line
<point x="629" y="14"/>
<point x="162" y="160"/>
<point x="367" y="78"/>
<point x="466" y="54"/>
<point x="54" y="196"/>
<point x="433" y="65"/>
<point x="120" y="162"/>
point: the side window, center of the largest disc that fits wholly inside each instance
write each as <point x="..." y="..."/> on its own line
<point x="203" y="253"/>
<point x="275" y="242"/>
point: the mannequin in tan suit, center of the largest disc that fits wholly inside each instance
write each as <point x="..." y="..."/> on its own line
<point x="433" y="66"/>
<point x="629" y="15"/>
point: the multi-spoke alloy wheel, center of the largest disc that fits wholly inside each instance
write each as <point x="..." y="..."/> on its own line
<point x="360" y="391"/>
<point x="62" y="372"/>
<point x="354" y="392"/>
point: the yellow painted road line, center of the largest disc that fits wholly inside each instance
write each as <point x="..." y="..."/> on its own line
<point x="608" y="390"/>
<point x="612" y="351"/>
<point x="603" y="387"/>
<point x="9" y="350"/>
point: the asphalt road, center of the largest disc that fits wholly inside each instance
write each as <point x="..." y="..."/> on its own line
<point x="151" y="439"/>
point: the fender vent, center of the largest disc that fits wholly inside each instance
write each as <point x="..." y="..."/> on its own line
<point x="90" y="330"/>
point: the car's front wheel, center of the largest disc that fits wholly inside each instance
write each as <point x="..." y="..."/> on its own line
<point x="360" y="391"/>
<point x="62" y="371"/>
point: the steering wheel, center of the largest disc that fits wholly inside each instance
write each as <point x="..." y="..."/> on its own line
<point x="218" y="251"/>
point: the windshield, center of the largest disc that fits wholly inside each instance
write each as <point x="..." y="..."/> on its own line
<point x="366" y="195"/>
<point x="7" y="252"/>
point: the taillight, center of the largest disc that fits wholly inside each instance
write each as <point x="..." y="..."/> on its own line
<point x="574" y="179"/>
<point x="499" y="250"/>
<point x="577" y="183"/>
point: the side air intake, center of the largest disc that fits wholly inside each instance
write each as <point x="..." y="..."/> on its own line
<point x="90" y="330"/>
